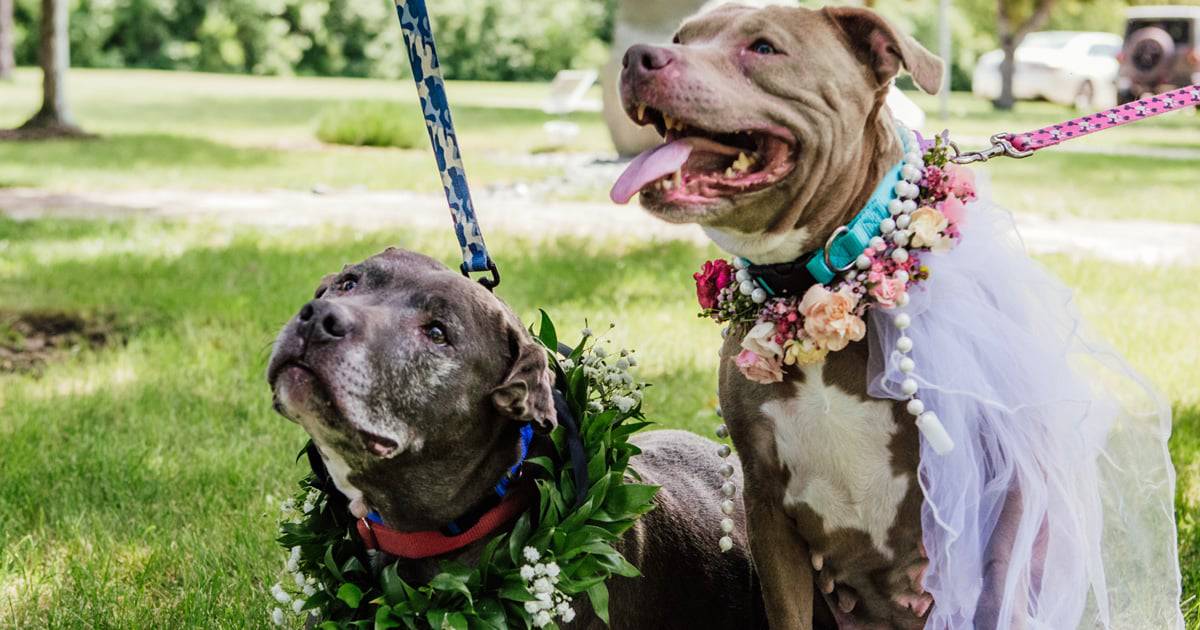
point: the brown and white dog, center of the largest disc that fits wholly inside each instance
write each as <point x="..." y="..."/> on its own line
<point x="785" y="134"/>
<point x="413" y="382"/>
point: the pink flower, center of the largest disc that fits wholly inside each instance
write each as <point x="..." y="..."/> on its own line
<point x="829" y="317"/>
<point x="954" y="210"/>
<point x="714" y="276"/>
<point x="759" y="369"/>
<point x="887" y="291"/>
<point x="960" y="181"/>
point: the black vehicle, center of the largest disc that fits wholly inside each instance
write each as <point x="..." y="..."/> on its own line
<point x="1161" y="52"/>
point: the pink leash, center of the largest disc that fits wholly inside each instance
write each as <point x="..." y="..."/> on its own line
<point x="1024" y="144"/>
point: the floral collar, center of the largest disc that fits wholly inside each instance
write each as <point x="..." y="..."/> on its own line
<point x="924" y="203"/>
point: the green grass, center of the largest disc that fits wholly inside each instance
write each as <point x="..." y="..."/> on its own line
<point x="204" y="131"/>
<point x="373" y="124"/>
<point x="140" y="482"/>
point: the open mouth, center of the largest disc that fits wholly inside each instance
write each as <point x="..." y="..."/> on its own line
<point x="696" y="165"/>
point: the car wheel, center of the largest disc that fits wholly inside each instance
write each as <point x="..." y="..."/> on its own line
<point x="1151" y="50"/>
<point x="1085" y="96"/>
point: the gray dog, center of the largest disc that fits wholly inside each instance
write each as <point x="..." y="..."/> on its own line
<point x="413" y="382"/>
<point x="798" y="97"/>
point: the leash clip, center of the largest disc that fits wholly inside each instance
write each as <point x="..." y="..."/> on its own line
<point x="1001" y="146"/>
<point x="488" y="283"/>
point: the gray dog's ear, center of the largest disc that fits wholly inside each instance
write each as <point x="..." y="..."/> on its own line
<point x="525" y="395"/>
<point x="885" y="50"/>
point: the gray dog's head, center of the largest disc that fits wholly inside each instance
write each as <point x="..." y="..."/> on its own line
<point x="763" y="111"/>
<point x="400" y="361"/>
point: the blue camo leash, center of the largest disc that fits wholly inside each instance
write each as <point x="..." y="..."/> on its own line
<point x="431" y="88"/>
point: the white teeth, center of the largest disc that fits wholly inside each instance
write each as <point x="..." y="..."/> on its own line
<point x="679" y="178"/>
<point x="641" y="112"/>
<point x="729" y="172"/>
<point x="667" y="184"/>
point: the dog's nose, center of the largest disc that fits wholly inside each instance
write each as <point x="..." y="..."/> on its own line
<point x="324" y="321"/>
<point x="644" y="58"/>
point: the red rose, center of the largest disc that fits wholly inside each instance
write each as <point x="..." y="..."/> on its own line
<point x="714" y="276"/>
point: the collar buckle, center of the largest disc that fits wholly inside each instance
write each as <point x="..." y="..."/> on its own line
<point x="829" y="246"/>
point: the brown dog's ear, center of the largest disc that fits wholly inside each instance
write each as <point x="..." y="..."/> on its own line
<point x="525" y="395"/>
<point x="885" y="50"/>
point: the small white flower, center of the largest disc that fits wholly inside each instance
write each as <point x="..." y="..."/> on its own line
<point x="309" y="591"/>
<point x="552" y="569"/>
<point x="600" y="352"/>
<point x="531" y="554"/>
<point x="298" y="606"/>
<point x="539" y="569"/>
<point x="622" y="364"/>
<point x="586" y="332"/>
<point x="541" y="619"/>
<point x="542" y="585"/>
<point x="280" y="596"/>
<point x="532" y="607"/>
<point x="277" y="616"/>
<point x="292" y="565"/>
<point x="569" y="615"/>
<point x="623" y="403"/>
<point x="527" y="573"/>
<point x="300" y="580"/>
<point x="595" y="407"/>
<point x="308" y="507"/>
<point x="567" y="364"/>
<point x="636" y="395"/>
<point x="543" y="600"/>
<point x="562" y="608"/>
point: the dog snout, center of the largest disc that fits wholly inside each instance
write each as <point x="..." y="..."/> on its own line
<point x="643" y="59"/>
<point x="322" y="321"/>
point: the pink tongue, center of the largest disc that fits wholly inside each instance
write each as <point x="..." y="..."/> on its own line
<point x="649" y="166"/>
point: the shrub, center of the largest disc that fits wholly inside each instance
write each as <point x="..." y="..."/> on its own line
<point x="373" y="124"/>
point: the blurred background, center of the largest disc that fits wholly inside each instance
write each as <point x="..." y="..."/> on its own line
<point x="176" y="175"/>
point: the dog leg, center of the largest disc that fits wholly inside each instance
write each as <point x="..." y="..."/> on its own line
<point x="783" y="562"/>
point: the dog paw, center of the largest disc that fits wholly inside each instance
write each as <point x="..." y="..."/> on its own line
<point x="359" y="509"/>
<point x="846" y="599"/>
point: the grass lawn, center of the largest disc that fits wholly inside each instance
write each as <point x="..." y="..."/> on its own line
<point x="204" y="131"/>
<point x="141" y="481"/>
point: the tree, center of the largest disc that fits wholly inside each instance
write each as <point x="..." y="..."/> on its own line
<point x="1010" y="30"/>
<point x="54" y="118"/>
<point x="7" y="61"/>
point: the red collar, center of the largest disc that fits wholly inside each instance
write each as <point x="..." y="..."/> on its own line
<point x="427" y="544"/>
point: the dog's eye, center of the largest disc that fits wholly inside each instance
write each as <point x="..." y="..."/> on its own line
<point x="347" y="285"/>
<point x="436" y="334"/>
<point x="763" y="47"/>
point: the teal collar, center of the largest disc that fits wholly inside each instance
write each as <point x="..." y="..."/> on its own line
<point x="841" y="250"/>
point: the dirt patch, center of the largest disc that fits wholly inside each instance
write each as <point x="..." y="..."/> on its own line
<point x="30" y="340"/>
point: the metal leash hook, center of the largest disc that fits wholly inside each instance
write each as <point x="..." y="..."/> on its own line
<point x="1001" y="146"/>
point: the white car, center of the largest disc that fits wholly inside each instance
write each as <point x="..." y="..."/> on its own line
<point x="1067" y="67"/>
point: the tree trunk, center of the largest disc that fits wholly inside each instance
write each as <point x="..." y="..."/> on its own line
<point x="1006" y="101"/>
<point x="7" y="35"/>
<point x="1010" y="38"/>
<point x="54" y="118"/>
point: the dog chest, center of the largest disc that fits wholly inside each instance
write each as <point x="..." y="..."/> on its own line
<point x="837" y="450"/>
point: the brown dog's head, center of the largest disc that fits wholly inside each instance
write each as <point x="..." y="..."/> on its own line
<point x="399" y="359"/>
<point x="761" y="110"/>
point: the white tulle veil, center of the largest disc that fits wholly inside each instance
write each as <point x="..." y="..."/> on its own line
<point x="1061" y="449"/>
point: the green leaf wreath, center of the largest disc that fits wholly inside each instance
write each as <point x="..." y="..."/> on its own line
<point x="526" y="578"/>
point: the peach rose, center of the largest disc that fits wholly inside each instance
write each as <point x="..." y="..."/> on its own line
<point x="758" y="368"/>
<point x="829" y="317"/>
<point x="887" y="291"/>
<point x="926" y="226"/>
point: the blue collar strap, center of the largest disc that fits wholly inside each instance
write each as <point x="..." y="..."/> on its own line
<point x="794" y="278"/>
<point x="499" y="491"/>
